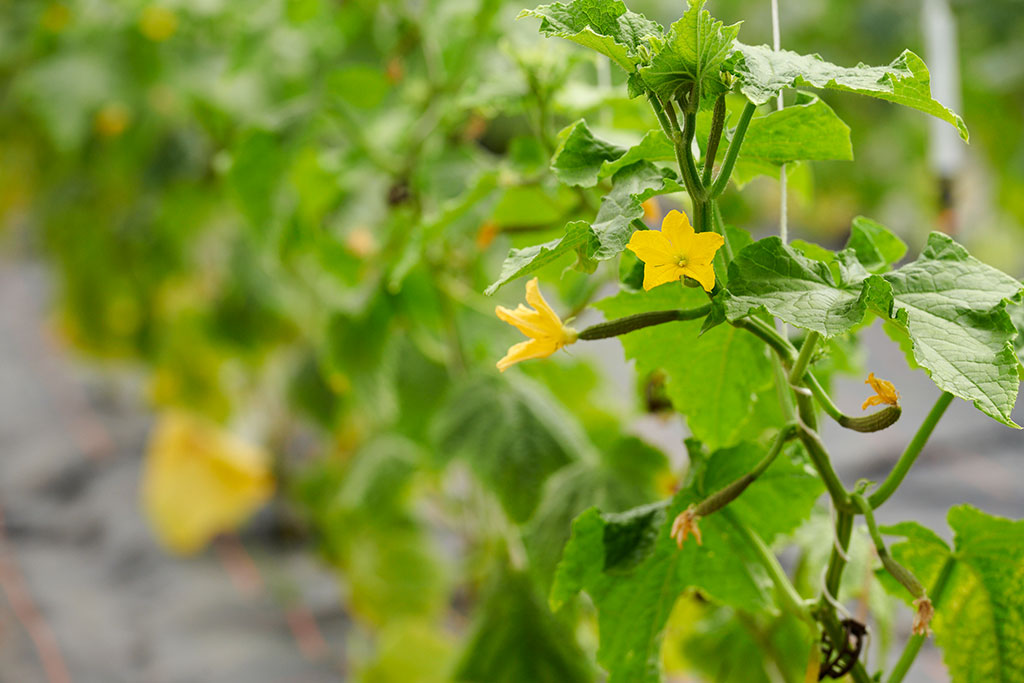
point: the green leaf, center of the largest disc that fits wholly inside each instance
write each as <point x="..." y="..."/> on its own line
<point x="763" y="72"/>
<point x="513" y="436"/>
<point x="694" y="52"/>
<point x="800" y="291"/>
<point x="979" y="617"/>
<point x="602" y="25"/>
<point x="952" y="307"/>
<point x="711" y="378"/>
<point x="580" y="156"/>
<point x="634" y="571"/>
<point x="810" y="132"/>
<point x="876" y="246"/>
<point x="949" y="305"/>
<point x="653" y="147"/>
<point x="610" y="231"/>
<point x="623" y="479"/>
<point x="516" y="639"/>
<point x="1016" y="312"/>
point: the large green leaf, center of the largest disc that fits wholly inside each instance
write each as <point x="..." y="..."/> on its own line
<point x="763" y="72"/>
<point x="947" y="304"/>
<point x="602" y="25"/>
<point x="979" y="618"/>
<point x="512" y="434"/>
<point x="610" y="231"/>
<point x="952" y="307"/>
<point x="694" y="52"/>
<point x="634" y="571"/>
<point x="516" y="639"/>
<point x="712" y="378"/>
<point x="799" y="290"/>
<point x="654" y="146"/>
<point x="809" y="131"/>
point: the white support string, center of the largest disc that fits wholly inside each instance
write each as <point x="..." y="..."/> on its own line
<point x="783" y="213"/>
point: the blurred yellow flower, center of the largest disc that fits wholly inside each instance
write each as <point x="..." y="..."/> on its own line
<point x="885" y="393"/>
<point x="158" y="23"/>
<point x="544" y="328"/>
<point x="676" y="251"/>
<point x="199" y="481"/>
<point x="112" y="119"/>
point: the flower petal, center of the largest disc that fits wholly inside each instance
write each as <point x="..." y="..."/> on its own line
<point x="703" y="246"/>
<point x="677" y="228"/>
<point x="536" y="299"/>
<point x="660" y="274"/>
<point x="651" y="247"/>
<point x="527" y="321"/>
<point x="527" y="350"/>
<point x="704" y="274"/>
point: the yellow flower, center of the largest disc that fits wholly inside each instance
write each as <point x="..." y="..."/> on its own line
<point x="199" y="481"/>
<point x="685" y="524"/>
<point x="544" y="328"/>
<point x="885" y="393"/>
<point x="676" y="251"/>
<point x="158" y="23"/>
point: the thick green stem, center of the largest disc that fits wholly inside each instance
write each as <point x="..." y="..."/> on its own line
<point x="822" y="463"/>
<point x="733" y="152"/>
<point x="865" y="423"/>
<point x="796" y="374"/>
<point x="791" y="600"/>
<point x="613" y="328"/>
<point x="837" y="561"/>
<point x="913" y="645"/>
<point x="903" y="465"/>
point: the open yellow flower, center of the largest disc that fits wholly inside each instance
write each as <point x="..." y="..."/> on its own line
<point x="544" y="328"/>
<point x="885" y="393"/>
<point x="676" y="251"/>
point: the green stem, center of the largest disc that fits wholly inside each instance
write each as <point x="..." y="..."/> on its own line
<point x="733" y="152"/>
<point x="613" y="328"/>
<point x="792" y="601"/>
<point x="913" y="645"/>
<point x="796" y="374"/>
<point x="822" y="463"/>
<point x="837" y="561"/>
<point x="903" y="465"/>
<point x="769" y="336"/>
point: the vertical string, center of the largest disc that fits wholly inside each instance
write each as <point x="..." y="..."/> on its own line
<point x="783" y="213"/>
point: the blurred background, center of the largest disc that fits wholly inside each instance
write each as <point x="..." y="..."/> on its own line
<point x="250" y="425"/>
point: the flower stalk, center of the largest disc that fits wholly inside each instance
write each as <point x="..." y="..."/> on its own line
<point x="619" y="326"/>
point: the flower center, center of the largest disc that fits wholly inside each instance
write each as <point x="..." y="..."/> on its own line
<point x="682" y="260"/>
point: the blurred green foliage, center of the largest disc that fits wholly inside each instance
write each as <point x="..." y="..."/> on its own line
<point x="290" y="210"/>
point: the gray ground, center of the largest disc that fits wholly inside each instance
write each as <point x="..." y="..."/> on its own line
<point x="78" y="568"/>
<point x="82" y="580"/>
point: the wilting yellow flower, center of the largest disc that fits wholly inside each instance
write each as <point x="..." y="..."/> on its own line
<point x="676" y="251"/>
<point x="199" y="481"/>
<point x="923" y="613"/>
<point x="885" y="393"/>
<point x="685" y="524"/>
<point x="544" y="328"/>
<point x="158" y="23"/>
